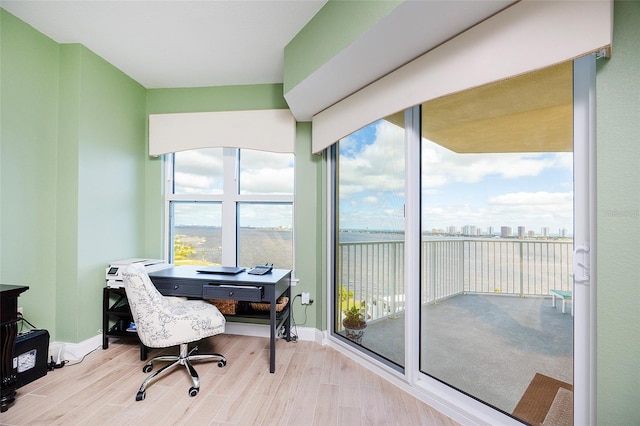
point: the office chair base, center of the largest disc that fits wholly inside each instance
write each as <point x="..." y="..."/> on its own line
<point x="185" y="358"/>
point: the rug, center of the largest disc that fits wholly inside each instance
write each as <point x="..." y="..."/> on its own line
<point x="537" y="400"/>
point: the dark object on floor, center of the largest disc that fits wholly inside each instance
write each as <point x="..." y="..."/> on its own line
<point x="538" y="398"/>
<point x="31" y="352"/>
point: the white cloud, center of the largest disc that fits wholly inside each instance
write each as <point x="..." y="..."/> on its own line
<point x="200" y="161"/>
<point x="201" y="171"/>
<point x="278" y="181"/>
<point x="533" y="198"/>
<point x="441" y="166"/>
<point x="349" y="191"/>
<point x="189" y="183"/>
<point x="376" y="167"/>
<point x="251" y="159"/>
<point x="261" y="215"/>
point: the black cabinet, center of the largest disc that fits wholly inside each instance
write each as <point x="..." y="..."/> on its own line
<point x="116" y="318"/>
<point x="8" y="334"/>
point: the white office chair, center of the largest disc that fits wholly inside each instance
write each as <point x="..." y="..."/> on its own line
<point x="168" y="321"/>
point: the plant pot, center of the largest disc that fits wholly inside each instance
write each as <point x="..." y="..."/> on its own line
<point x="354" y="332"/>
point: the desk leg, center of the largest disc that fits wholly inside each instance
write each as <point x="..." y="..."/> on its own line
<point x="105" y="318"/>
<point x="272" y="338"/>
<point x="287" y="321"/>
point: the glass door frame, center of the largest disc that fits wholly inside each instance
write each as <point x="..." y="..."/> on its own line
<point x="442" y="397"/>
<point x="584" y="295"/>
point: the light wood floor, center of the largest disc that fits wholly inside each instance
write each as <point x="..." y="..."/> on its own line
<point x="312" y="385"/>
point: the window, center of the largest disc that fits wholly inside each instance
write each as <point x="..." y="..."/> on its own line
<point x="229" y="206"/>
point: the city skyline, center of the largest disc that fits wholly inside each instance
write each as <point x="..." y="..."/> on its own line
<point x="471" y="230"/>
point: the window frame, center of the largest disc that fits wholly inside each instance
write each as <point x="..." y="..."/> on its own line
<point x="230" y="199"/>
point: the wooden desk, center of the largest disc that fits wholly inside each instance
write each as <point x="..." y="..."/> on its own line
<point x="8" y="332"/>
<point x="185" y="281"/>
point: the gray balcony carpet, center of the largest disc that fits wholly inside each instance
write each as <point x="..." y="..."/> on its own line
<point x="489" y="346"/>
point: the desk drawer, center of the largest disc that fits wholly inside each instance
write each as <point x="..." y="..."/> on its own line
<point x="235" y="292"/>
<point x="178" y="289"/>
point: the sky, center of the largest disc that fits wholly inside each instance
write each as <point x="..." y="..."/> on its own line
<point x="201" y="172"/>
<point x="533" y="190"/>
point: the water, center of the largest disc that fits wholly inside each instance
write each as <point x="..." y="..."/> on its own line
<point x="257" y="246"/>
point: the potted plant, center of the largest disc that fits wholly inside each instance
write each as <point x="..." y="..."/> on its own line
<point x="354" y="321"/>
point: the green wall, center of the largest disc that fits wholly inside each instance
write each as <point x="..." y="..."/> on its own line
<point x="338" y="24"/>
<point x="72" y="167"/>
<point x="110" y="144"/>
<point x="28" y="167"/>
<point x="618" y="222"/>
<point x="310" y="259"/>
<point x="222" y="98"/>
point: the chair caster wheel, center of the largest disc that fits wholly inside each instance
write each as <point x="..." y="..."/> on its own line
<point x="222" y="363"/>
<point x="140" y="395"/>
<point x="193" y="391"/>
<point x="147" y="368"/>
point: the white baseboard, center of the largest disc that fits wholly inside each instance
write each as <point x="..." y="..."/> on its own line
<point x="71" y="352"/>
<point x="63" y="351"/>
<point x="245" y="329"/>
<point x="262" y="330"/>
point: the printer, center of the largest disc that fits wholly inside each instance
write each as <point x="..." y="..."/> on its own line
<point x="115" y="269"/>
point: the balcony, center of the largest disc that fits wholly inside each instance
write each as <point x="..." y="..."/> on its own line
<point x="487" y="321"/>
<point x="374" y="271"/>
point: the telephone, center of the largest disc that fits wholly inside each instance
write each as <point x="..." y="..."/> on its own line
<point x="260" y="269"/>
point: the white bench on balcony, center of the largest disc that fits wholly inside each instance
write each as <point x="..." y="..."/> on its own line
<point x="564" y="296"/>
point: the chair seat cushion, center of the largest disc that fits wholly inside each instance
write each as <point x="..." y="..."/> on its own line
<point x="167" y="321"/>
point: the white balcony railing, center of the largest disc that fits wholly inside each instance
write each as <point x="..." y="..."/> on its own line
<point x="374" y="271"/>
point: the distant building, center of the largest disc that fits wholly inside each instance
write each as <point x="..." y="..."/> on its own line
<point x="469" y="230"/>
<point x="505" y="231"/>
<point x="544" y="231"/>
<point x="520" y="231"/>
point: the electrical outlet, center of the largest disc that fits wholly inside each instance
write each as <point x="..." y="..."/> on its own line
<point x="20" y="310"/>
<point x="305" y="298"/>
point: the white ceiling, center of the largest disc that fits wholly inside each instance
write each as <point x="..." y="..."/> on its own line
<point x="177" y="43"/>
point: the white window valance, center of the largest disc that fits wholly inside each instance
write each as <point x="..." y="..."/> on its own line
<point x="525" y="37"/>
<point x="271" y="130"/>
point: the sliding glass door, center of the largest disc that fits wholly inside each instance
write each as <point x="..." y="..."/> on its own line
<point x="369" y="276"/>
<point x="455" y="228"/>
<point x="497" y="242"/>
